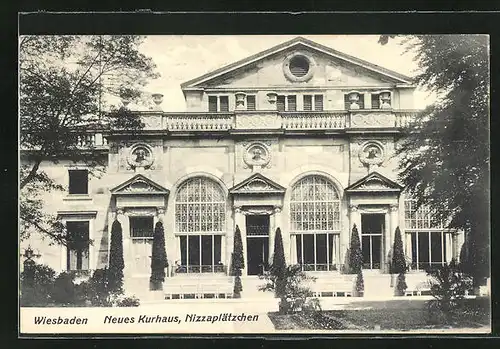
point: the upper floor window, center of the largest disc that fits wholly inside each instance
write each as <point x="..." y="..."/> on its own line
<point x="251" y="102"/>
<point x="313" y="101"/>
<point x="77" y="257"/>
<point x="218" y="104"/>
<point x="354" y="100"/>
<point x="381" y="100"/>
<point x="78" y="181"/>
<point x="287" y="103"/>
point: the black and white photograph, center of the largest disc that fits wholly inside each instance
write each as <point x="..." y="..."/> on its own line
<point x="258" y="184"/>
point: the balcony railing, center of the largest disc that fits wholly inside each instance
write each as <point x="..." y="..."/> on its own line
<point x="262" y="120"/>
<point x="198" y="122"/>
<point x="313" y="120"/>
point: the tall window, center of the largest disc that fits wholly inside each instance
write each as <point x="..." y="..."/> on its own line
<point x="313" y="102"/>
<point x="287" y="103"/>
<point x="78" y="181"/>
<point x="218" y="104"/>
<point x="251" y="102"/>
<point x="315" y="223"/>
<point x="427" y="240"/>
<point x="200" y="223"/>
<point x="77" y="256"/>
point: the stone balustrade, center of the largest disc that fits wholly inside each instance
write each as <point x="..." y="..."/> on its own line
<point x="313" y="120"/>
<point x="263" y="120"/>
<point x="198" y="122"/>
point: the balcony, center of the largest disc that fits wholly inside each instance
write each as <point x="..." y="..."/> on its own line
<point x="264" y="122"/>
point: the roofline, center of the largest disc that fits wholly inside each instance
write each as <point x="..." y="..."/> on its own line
<point x="282" y="46"/>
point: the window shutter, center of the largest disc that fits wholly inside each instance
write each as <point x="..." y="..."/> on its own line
<point x="318" y="102"/>
<point x="292" y="103"/>
<point x="250" y="102"/>
<point x="212" y="104"/>
<point x="280" y="103"/>
<point x="78" y="182"/>
<point x="375" y="101"/>
<point x="224" y="103"/>
<point x="307" y="103"/>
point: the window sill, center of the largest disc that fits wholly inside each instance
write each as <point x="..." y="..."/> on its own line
<point x="77" y="197"/>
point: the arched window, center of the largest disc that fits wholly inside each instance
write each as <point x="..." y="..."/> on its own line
<point x="315" y="223"/>
<point x="200" y="219"/>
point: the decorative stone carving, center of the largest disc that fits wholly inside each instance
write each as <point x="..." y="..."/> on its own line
<point x="257" y="154"/>
<point x="256" y="185"/>
<point x="394" y="208"/>
<point x="237" y="209"/>
<point x="371" y="154"/>
<point x="119" y="211"/>
<point x="258" y="121"/>
<point x="140" y="156"/>
<point x="353" y="208"/>
<point x="141" y="211"/>
<point x="377" y="119"/>
<point x="138" y="186"/>
<point x="277" y="209"/>
<point x="373" y="183"/>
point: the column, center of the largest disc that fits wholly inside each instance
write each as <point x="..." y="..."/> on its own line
<point x="393" y="218"/>
<point x="240" y="221"/>
<point x="354" y="218"/>
<point x="127" y="259"/>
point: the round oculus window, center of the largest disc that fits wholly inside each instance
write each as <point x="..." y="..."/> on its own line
<point x="299" y="66"/>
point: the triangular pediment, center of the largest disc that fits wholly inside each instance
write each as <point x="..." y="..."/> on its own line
<point x="374" y="182"/>
<point x="247" y="65"/>
<point x="257" y="184"/>
<point x="139" y="184"/>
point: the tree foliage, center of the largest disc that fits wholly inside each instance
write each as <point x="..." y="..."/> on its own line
<point x="158" y="258"/>
<point x="444" y="155"/>
<point x="355" y="261"/>
<point x="116" y="263"/>
<point x="64" y="85"/>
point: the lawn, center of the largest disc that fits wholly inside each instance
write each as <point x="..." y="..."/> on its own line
<point x="398" y="315"/>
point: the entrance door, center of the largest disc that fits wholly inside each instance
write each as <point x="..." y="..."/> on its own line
<point x="372" y="226"/>
<point x="141" y="232"/>
<point x="257" y="228"/>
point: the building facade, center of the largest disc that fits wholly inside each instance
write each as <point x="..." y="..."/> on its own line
<point x="299" y="137"/>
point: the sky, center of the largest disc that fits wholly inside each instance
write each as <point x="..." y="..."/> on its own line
<point x="180" y="58"/>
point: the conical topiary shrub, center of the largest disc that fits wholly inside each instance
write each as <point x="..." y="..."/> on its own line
<point x="278" y="267"/>
<point x="398" y="263"/>
<point x="158" y="258"/>
<point x="239" y="261"/>
<point x="360" y="285"/>
<point x="355" y="255"/>
<point x="236" y="272"/>
<point x="116" y="264"/>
